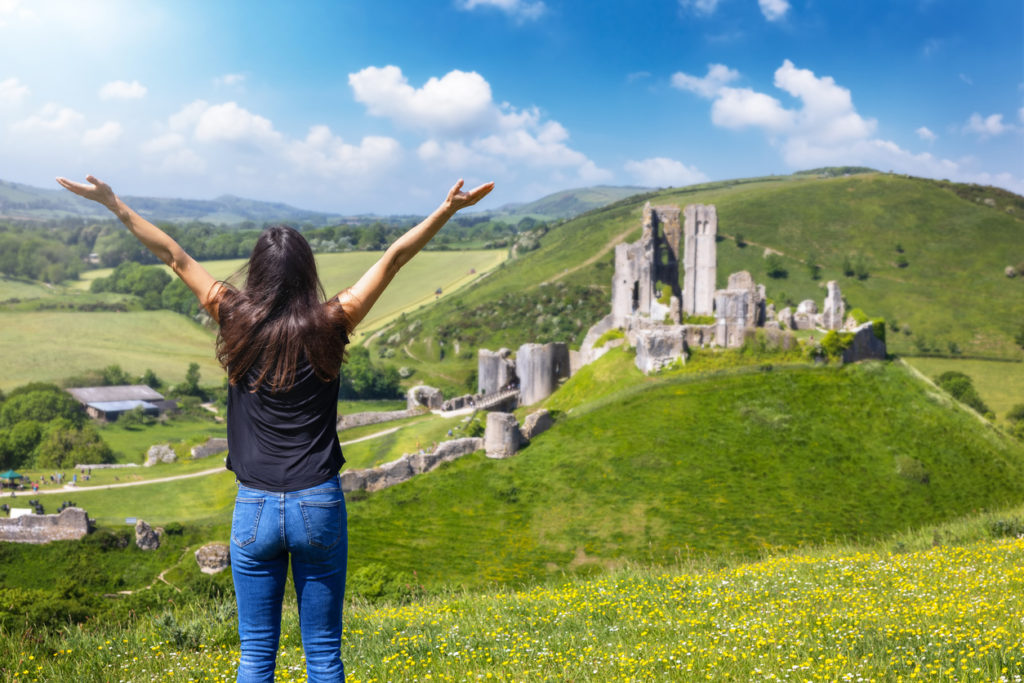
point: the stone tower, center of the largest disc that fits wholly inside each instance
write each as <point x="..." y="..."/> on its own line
<point x="700" y="259"/>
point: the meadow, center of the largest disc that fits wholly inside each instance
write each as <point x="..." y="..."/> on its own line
<point x="949" y="612"/>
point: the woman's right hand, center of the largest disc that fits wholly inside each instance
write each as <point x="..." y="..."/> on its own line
<point x="97" y="190"/>
<point x="459" y="200"/>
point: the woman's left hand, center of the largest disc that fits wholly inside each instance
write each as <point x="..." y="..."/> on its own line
<point x="459" y="200"/>
<point x="97" y="190"/>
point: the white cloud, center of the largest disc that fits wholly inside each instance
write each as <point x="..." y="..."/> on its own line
<point x="229" y="79"/>
<point x="230" y="123"/>
<point x="183" y="162"/>
<point x="825" y="129"/>
<point x="188" y="116"/>
<point x="966" y="79"/>
<point x="12" y="92"/>
<point x="742" y="107"/>
<point x="13" y="9"/>
<point x="458" y="103"/>
<point x="51" y="118"/>
<point x="663" y="172"/>
<point x="122" y="90"/>
<point x="464" y="125"/>
<point x="163" y="143"/>
<point x="708" y="86"/>
<point x="926" y="134"/>
<point x="773" y="10"/>
<point x="699" y="6"/>
<point x="328" y="155"/>
<point x="102" y="136"/>
<point x="520" y="9"/>
<point x="987" y="126"/>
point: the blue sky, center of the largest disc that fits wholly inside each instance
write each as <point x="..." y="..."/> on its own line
<point x="378" y="107"/>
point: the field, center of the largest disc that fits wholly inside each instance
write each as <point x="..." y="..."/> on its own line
<point x="1000" y="385"/>
<point x="48" y="346"/>
<point x="413" y="287"/>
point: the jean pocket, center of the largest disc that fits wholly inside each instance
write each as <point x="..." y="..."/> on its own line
<point x="245" y="520"/>
<point x="323" y="521"/>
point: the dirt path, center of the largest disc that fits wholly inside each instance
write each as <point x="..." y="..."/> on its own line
<point x="604" y="250"/>
<point x="371" y="436"/>
<point x="79" y="489"/>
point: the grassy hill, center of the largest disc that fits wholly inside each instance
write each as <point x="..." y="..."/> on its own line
<point x="26" y="202"/>
<point x="951" y="291"/>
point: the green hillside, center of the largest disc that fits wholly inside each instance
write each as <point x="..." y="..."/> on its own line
<point x="952" y="289"/>
<point x="729" y="462"/>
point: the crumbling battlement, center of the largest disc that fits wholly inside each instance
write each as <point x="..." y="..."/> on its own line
<point x="71" y="524"/>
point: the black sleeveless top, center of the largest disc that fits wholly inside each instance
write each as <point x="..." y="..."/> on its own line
<point x="284" y="441"/>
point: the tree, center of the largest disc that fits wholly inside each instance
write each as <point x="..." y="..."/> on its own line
<point x="113" y="375"/>
<point x="18" y="444"/>
<point x="41" y="406"/>
<point x="813" y="269"/>
<point x="776" y="267"/>
<point x="190" y="387"/>
<point x="64" y="446"/>
<point x="150" y="379"/>
<point x="1019" y="337"/>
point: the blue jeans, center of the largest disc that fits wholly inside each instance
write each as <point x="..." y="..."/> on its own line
<point x="267" y="528"/>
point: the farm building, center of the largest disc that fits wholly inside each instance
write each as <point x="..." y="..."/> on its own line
<point x="108" y="403"/>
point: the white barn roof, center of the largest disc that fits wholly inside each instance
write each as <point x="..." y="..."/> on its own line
<point x="131" y="392"/>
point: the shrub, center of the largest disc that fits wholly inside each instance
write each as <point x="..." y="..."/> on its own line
<point x="1003" y="528"/>
<point x="614" y="333"/>
<point x="375" y="582"/>
<point x="835" y="342"/>
<point x="776" y="267"/>
<point x="961" y="387"/>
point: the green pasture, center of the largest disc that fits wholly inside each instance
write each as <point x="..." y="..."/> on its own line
<point x="131" y="443"/>
<point x="1000" y="385"/>
<point x="414" y="286"/>
<point x="207" y="499"/>
<point x="11" y="288"/>
<point x="49" y="346"/>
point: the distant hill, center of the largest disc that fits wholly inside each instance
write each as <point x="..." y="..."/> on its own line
<point x="25" y="202"/>
<point x="566" y="204"/>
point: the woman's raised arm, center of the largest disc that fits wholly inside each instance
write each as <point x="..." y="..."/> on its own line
<point x="202" y="284"/>
<point x="358" y="299"/>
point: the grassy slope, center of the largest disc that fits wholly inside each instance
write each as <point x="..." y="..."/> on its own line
<point x="732" y="463"/>
<point x="953" y="289"/>
<point x="1000" y="385"/>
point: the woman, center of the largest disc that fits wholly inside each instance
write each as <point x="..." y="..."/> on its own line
<point x="282" y="347"/>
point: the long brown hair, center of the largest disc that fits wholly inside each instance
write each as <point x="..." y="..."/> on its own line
<point x="279" y="315"/>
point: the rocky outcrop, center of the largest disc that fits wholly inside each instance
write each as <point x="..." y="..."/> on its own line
<point x="146" y="537"/>
<point x="161" y="452"/>
<point x="501" y="437"/>
<point x="212" y="446"/>
<point x="71" y="524"/>
<point x="213" y="557"/>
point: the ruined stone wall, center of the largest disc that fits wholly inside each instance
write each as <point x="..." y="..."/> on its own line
<point x="374" y="417"/>
<point x="71" y="524"/>
<point x="834" y="311"/>
<point x="540" y="367"/>
<point x="408" y="466"/>
<point x="495" y="370"/>
<point x="700" y="259"/>
<point x="633" y="281"/>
